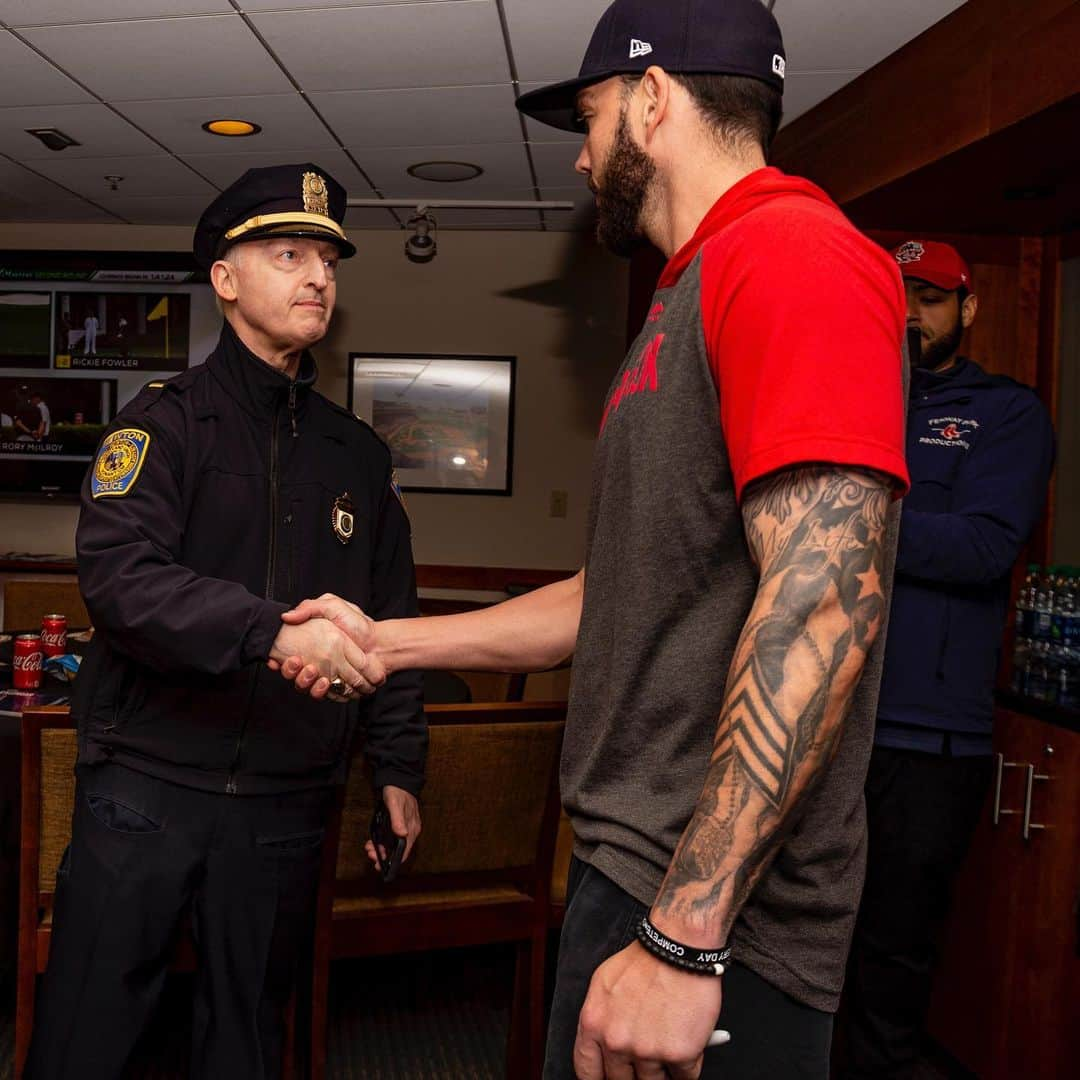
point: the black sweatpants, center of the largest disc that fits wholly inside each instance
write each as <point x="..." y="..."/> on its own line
<point x="922" y="810"/>
<point x="142" y="851"/>
<point x="773" y="1036"/>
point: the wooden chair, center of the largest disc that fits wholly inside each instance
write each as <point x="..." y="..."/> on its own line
<point x="480" y="872"/>
<point x="47" y="800"/>
<point x="560" y="871"/>
<point x="26" y="601"/>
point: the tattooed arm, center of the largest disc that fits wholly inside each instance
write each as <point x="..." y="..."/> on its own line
<point x="817" y="535"/>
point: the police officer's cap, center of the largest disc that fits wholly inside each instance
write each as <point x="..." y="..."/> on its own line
<point x="282" y="200"/>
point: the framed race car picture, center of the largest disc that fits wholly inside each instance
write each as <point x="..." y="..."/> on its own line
<point x="448" y="420"/>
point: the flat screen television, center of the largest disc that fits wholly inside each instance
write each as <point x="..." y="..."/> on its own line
<point x="80" y="334"/>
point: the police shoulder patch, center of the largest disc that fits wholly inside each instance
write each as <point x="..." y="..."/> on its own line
<point x="119" y="462"/>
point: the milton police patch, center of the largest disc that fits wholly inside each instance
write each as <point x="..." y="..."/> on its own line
<point x="119" y="462"/>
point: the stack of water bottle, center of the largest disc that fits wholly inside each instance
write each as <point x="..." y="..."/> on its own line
<point x="1046" y="655"/>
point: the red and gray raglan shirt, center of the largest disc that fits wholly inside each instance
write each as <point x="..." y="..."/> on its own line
<point x="774" y="339"/>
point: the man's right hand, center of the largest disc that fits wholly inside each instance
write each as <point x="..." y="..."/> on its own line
<point x="320" y="651"/>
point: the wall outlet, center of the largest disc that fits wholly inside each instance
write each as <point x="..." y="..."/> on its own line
<point x="558" y="504"/>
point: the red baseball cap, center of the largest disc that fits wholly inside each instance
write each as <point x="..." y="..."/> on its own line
<point x="933" y="262"/>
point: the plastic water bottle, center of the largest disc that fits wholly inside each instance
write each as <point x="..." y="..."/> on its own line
<point x="1024" y="627"/>
<point x="1044" y="605"/>
<point x="1038" y="680"/>
<point x="1069" y="674"/>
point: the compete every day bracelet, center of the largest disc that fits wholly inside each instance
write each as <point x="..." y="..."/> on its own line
<point x="685" y="957"/>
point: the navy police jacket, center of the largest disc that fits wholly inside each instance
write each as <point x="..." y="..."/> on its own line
<point x="216" y="502"/>
<point x="980" y="449"/>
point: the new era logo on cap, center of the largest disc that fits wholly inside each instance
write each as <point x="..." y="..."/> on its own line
<point x="778" y="65"/>
<point x="639" y="48"/>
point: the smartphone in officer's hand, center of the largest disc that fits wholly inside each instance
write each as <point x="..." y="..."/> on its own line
<point x="389" y="847"/>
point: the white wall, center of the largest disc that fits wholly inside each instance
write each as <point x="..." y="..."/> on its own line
<point x="552" y="299"/>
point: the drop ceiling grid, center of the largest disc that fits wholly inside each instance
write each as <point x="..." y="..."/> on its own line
<point x="369" y="82"/>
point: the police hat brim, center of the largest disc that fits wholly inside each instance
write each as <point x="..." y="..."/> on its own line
<point x="298" y="229"/>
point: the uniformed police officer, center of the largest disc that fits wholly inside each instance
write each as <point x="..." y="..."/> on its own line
<point x="218" y="500"/>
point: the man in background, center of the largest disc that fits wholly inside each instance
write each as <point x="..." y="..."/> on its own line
<point x="46" y="416"/>
<point x="979" y="449"/>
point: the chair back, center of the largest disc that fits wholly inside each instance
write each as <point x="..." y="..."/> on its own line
<point x="490" y="798"/>
<point x="25" y="602"/>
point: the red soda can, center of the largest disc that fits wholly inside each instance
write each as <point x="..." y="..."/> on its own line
<point x="53" y="635"/>
<point x="27" y="662"/>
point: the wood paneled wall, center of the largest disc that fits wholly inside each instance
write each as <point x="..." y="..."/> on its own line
<point x="987" y="65"/>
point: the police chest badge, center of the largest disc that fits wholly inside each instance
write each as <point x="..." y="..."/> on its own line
<point x="119" y="462"/>
<point x="341" y="518"/>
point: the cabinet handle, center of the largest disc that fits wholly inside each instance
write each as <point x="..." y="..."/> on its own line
<point x="1002" y="765"/>
<point x="1032" y="776"/>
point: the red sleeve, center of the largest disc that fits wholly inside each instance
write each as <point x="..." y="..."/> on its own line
<point x="804" y="319"/>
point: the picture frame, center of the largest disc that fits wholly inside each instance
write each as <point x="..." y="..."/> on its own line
<point x="448" y="418"/>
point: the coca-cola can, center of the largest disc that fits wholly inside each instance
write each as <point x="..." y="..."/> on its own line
<point x="27" y="662"/>
<point x="53" y="635"/>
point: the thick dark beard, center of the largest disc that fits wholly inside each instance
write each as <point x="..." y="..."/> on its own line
<point x="628" y="175"/>
<point x="936" y="353"/>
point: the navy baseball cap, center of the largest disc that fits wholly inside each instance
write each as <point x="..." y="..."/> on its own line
<point x="280" y="200"/>
<point x="689" y="37"/>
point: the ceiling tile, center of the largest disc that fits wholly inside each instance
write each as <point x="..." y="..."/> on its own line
<point x="856" y="34"/>
<point x="505" y="165"/>
<point x="19" y="183"/>
<point x="163" y="58"/>
<point x="97" y="128"/>
<point x="27" y="79"/>
<point x="60" y="210"/>
<point x="286" y="5"/>
<point x="412" y="117"/>
<point x="159" y="210"/>
<point x="162" y="176"/>
<point x="287" y="123"/>
<point x="554" y="164"/>
<point x="441" y="43"/>
<point x="223" y="169"/>
<point x="549" y="38"/>
<point x="803" y="90"/>
<point x="20" y="13"/>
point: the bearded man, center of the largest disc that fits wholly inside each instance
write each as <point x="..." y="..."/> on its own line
<point x="980" y="448"/>
<point x="738" y="555"/>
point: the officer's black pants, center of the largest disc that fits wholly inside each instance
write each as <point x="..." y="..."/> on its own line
<point x="142" y="851"/>
<point x="921" y="813"/>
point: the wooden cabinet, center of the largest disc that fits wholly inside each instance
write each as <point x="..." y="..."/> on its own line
<point x="1007" y="996"/>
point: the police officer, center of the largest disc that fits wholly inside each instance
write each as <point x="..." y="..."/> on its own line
<point x="218" y="500"/>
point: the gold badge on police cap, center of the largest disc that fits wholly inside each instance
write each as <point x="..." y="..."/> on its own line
<point x="341" y="518"/>
<point x="316" y="198"/>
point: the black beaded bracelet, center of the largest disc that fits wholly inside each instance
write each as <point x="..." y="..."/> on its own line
<point x="685" y="957"/>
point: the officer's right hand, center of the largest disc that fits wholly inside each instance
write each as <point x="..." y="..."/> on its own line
<point x="320" y="652"/>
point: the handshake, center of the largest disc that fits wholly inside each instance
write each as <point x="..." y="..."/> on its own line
<point x="327" y="648"/>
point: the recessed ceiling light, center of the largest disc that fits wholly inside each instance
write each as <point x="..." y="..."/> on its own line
<point x="444" y="172"/>
<point x="233" y="129"/>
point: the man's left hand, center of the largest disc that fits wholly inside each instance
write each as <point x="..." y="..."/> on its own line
<point x="404" y="820"/>
<point x="644" y="1019"/>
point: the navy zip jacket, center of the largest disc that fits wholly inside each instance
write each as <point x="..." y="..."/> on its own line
<point x="227" y="521"/>
<point x="980" y="449"/>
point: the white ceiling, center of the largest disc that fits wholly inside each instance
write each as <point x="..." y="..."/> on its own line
<point x="362" y="87"/>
